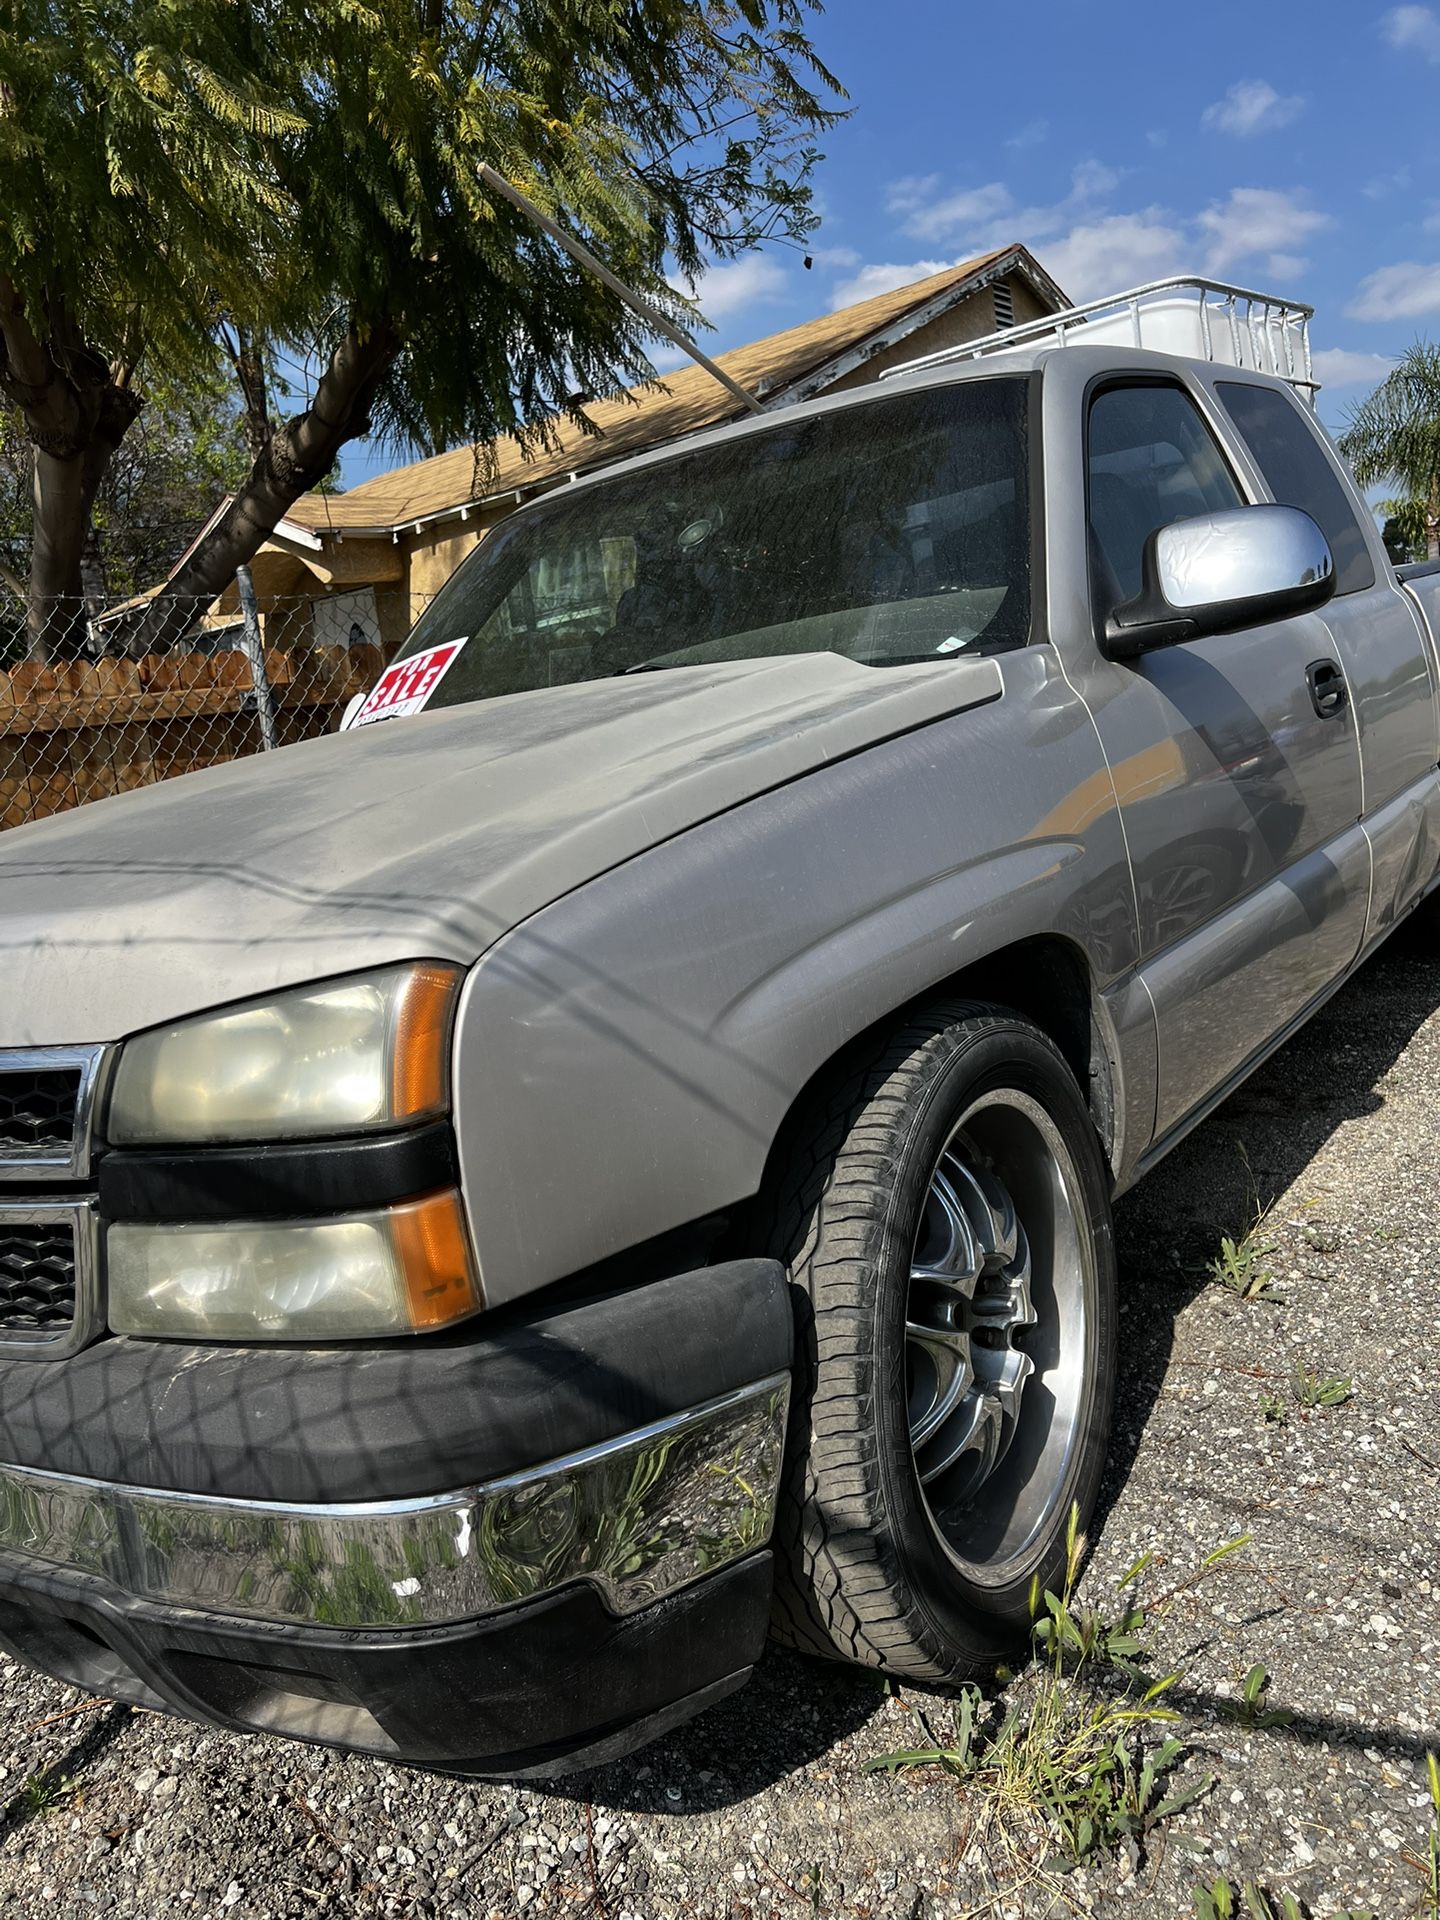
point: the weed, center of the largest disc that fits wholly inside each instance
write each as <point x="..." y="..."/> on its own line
<point x="38" y="1792"/>
<point x="1250" y="1709"/>
<point x="1063" y="1763"/>
<point x="1223" y="1901"/>
<point x="1432" y="1861"/>
<point x="1075" y="1634"/>
<point x="1312" y="1389"/>
<point x="1239" y="1265"/>
<point x="1273" y="1410"/>
<point x="1077" y="1766"/>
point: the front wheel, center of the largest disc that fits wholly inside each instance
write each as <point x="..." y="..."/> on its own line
<point x="945" y="1221"/>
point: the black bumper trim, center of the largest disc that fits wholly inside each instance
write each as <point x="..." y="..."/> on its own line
<point x="276" y="1182"/>
<point x="538" y="1690"/>
<point x="506" y="1392"/>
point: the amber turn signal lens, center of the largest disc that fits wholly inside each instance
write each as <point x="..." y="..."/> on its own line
<point x="420" y="1041"/>
<point x="433" y="1249"/>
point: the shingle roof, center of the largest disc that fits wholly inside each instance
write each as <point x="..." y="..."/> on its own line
<point x="688" y="400"/>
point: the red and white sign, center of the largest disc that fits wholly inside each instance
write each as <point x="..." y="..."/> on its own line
<point x="405" y="687"/>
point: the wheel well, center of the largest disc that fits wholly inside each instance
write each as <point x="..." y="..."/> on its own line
<point x="1046" y="979"/>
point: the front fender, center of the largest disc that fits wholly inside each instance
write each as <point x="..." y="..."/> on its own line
<point x="626" y="1058"/>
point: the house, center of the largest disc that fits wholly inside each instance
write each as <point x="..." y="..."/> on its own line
<point x="363" y="564"/>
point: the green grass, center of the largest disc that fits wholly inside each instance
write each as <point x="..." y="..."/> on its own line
<point x="1240" y="1267"/>
<point x="1312" y="1389"/>
<point x="1068" y="1771"/>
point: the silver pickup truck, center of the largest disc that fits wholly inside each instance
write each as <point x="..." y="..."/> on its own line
<point x="501" y="1207"/>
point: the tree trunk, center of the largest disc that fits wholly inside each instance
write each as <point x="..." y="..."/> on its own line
<point x="76" y="409"/>
<point x="55" y="608"/>
<point x="297" y="456"/>
<point x="1432" y="524"/>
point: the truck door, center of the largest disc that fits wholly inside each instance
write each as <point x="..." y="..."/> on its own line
<point x="1378" y="634"/>
<point x="1236" y="768"/>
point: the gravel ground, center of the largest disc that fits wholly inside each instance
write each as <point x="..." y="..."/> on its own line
<point x="763" y="1807"/>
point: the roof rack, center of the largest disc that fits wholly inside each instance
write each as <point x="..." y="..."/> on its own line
<point x="1201" y="319"/>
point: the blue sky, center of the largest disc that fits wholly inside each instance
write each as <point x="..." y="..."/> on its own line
<point x="1292" y="148"/>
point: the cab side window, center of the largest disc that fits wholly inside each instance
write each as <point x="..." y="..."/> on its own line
<point x="1299" y="474"/>
<point x="1151" y="460"/>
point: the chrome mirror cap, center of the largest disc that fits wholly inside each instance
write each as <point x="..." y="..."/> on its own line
<point x="1220" y="571"/>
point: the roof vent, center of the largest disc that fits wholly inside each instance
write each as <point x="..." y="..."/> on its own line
<point x="1004" y="304"/>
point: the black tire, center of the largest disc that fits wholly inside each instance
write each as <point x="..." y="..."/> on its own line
<point x="863" y="1571"/>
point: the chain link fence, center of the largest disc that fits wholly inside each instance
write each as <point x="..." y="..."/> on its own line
<point x="125" y="714"/>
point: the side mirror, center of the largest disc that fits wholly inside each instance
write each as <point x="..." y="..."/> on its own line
<point x="1221" y="571"/>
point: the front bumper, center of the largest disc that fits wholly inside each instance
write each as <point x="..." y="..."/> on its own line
<point x="594" y="1578"/>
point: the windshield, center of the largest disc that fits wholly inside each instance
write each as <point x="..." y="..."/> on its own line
<point x="892" y="531"/>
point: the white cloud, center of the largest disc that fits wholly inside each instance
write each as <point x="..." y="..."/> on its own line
<point x="990" y="216"/>
<point x="1343" y="367"/>
<point x="1255" y="221"/>
<point x="882" y="277"/>
<point x="1093" y="250"/>
<point x="1252" y="106"/>
<point x="835" y="256"/>
<point x="1384" y="184"/>
<point x="967" y="210"/>
<point x="1034" y="133"/>
<point x="913" y="191"/>
<point x="1413" y="30"/>
<point x="755" y="279"/>
<point x="1405" y="291"/>
<point x="1117" y="251"/>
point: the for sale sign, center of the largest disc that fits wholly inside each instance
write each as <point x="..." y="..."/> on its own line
<point x="405" y="687"/>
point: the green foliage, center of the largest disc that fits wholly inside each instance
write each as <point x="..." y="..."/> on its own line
<point x="1394" y="435"/>
<point x="1405" y="531"/>
<point x="1221" y="1900"/>
<point x="1064" y="1758"/>
<point x="1312" y="1389"/>
<point x="308" y="172"/>
<point x="1240" y="1266"/>
<point x="1250" y="1709"/>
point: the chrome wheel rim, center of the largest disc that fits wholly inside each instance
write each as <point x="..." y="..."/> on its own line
<point x="999" y="1336"/>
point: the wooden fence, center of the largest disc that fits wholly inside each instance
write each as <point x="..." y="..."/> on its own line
<point x="82" y="730"/>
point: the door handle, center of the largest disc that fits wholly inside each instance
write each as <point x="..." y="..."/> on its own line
<point x="1328" y="692"/>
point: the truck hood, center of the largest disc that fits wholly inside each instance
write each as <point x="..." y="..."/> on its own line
<point x="427" y="837"/>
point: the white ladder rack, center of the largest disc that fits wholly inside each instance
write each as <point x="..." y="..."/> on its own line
<point x="1197" y="318"/>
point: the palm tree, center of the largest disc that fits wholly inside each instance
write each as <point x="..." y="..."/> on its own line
<point x="1395" y="435"/>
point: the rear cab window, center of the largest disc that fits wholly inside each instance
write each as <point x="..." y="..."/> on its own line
<point x="1298" y="472"/>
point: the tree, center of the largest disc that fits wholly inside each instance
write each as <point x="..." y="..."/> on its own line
<point x="1404" y="529"/>
<point x="184" y="453"/>
<point x="1394" y="435"/>
<point x="184" y="181"/>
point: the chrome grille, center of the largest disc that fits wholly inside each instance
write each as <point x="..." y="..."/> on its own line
<point x="37" y="1277"/>
<point x="47" y="1104"/>
<point x="37" y="1110"/>
<point x="49" y="1276"/>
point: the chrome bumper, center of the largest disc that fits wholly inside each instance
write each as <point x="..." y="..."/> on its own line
<point x="637" y="1517"/>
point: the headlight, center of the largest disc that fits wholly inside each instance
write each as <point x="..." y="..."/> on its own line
<point x="403" y="1269"/>
<point x="344" y="1056"/>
